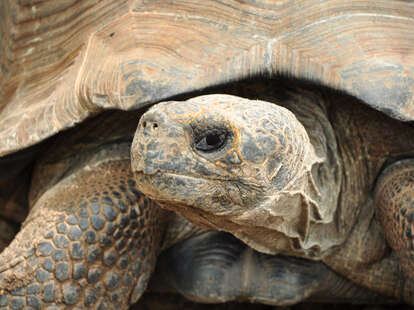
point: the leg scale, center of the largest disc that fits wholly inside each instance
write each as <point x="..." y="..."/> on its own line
<point x="394" y="198"/>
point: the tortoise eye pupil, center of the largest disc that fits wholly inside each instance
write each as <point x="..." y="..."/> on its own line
<point x="211" y="142"/>
<point x="212" y="139"/>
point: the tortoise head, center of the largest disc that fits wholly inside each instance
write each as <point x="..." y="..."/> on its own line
<point x="218" y="160"/>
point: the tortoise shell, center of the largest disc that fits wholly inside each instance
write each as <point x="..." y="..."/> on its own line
<point x="62" y="62"/>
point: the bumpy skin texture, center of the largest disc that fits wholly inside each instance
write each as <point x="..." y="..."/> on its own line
<point x="293" y="176"/>
<point x="395" y="200"/>
<point x="89" y="242"/>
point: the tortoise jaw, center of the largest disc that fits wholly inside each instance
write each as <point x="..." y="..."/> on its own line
<point x="171" y="188"/>
<point x="143" y="184"/>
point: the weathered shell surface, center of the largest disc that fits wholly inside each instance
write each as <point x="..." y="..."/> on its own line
<point x="61" y="62"/>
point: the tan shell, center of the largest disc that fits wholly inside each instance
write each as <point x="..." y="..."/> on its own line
<point x="62" y="61"/>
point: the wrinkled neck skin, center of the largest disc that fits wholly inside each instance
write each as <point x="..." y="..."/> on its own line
<point x="301" y="219"/>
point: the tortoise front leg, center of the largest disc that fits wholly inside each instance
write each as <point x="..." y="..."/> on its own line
<point x="394" y="195"/>
<point x="89" y="242"/>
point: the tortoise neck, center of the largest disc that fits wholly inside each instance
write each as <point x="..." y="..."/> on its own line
<point x="316" y="192"/>
<point x="301" y="219"/>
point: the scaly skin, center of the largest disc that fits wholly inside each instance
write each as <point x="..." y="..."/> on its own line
<point x="88" y="249"/>
<point x="91" y="239"/>
<point x="301" y="185"/>
<point x="395" y="201"/>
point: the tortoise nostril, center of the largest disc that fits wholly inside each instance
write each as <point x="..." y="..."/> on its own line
<point x="149" y="127"/>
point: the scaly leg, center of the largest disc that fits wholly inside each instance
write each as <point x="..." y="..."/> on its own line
<point x="89" y="242"/>
<point x="394" y="195"/>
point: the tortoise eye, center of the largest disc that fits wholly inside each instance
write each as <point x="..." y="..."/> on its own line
<point x="211" y="142"/>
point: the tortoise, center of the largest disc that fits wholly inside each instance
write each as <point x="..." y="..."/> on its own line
<point x="78" y="61"/>
<point x="289" y="171"/>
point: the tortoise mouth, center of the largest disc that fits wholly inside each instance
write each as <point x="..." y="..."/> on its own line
<point x="165" y="175"/>
<point x="176" y="176"/>
<point x="170" y="187"/>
